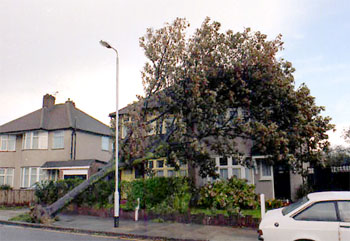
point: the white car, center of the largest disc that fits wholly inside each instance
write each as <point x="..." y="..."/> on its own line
<point x="320" y="216"/>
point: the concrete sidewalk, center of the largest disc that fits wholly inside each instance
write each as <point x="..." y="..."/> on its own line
<point x="140" y="229"/>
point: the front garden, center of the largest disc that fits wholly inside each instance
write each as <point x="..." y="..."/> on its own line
<point x="224" y="202"/>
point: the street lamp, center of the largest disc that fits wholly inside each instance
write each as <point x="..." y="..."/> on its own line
<point x="116" y="193"/>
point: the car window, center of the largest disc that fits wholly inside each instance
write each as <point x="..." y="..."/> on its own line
<point x="294" y="206"/>
<point x="344" y="210"/>
<point x="321" y="211"/>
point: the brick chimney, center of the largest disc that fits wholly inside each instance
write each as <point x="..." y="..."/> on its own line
<point x="48" y="101"/>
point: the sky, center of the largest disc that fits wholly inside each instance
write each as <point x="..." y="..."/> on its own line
<point x="53" y="47"/>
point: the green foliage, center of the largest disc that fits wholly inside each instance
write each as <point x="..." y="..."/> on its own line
<point x="5" y="187"/>
<point x="23" y="218"/>
<point x="217" y="87"/>
<point x="47" y="192"/>
<point x="99" y="194"/>
<point x="159" y="194"/>
<point x="228" y="194"/>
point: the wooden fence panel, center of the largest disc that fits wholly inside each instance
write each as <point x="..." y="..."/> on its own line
<point x="16" y="197"/>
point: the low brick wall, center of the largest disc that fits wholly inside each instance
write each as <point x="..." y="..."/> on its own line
<point x="16" y="197"/>
<point x="220" y="220"/>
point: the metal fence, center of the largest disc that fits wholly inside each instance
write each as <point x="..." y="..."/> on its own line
<point x="16" y="197"/>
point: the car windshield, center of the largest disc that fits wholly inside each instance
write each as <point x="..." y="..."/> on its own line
<point x="294" y="206"/>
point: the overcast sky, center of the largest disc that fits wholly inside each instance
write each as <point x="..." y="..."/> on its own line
<point x="48" y="46"/>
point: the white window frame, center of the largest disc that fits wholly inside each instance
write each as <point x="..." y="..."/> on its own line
<point x="39" y="176"/>
<point x="262" y="176"/>
<point x="42" y="137"/>
<point x="5" y="139"/>
<point x="230" y="168"/>
<point x="58" y="138"/>
<point x="105" y="143"/>
<point x="6" y="175"/>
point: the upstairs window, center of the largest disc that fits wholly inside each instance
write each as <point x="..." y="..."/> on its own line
<point x="35" y="140"/>
<point x="105" y="143"/>
<point x="8" y="143"/>
<point x="58" y="140"/>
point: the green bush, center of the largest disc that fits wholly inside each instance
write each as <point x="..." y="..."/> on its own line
<point x="159" y="194"/>
<point x="5" y="187"/>
<point x="99" y="194"/>
<point x="228" y="194"/>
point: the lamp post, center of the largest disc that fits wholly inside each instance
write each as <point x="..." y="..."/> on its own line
<point x="116" y="193"/>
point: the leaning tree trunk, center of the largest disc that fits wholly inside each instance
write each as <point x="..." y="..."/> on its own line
<point x="45" y="214"/>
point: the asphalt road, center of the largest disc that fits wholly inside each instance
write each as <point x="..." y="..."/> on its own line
<point x="14" y="233"/>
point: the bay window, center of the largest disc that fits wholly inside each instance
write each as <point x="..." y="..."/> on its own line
<point x="31" y="175"/>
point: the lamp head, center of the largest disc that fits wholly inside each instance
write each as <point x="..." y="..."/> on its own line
<point x="105" y="44"/>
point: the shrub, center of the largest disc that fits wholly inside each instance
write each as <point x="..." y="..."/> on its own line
<point x="5" y="187"/>
<point x="159" y="194"/>
<point x="228" y="194"/>
<point x="100" y="194"/>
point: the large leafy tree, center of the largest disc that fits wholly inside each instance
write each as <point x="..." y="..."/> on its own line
<point x="213" y="92"/>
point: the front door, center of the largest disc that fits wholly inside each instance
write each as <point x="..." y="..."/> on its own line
<point x="281" y="178"/>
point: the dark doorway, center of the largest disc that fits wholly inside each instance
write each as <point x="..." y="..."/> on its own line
<point x="281" y="178"/>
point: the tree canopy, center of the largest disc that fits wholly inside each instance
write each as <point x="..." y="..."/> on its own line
<point x="214" y="92"/>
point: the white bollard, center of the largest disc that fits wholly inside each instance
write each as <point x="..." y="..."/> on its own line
<point x="137" y="210"/>
<point x="262" y="205"/>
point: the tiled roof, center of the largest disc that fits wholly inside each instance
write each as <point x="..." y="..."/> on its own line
<point x="60" y="116"/>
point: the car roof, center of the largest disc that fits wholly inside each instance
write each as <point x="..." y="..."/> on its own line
<point x="328" y="196"/>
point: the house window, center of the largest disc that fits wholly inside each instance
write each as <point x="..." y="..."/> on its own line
<point x="31" y="175"/>
<point x="223" y="161"/>
<point x="229" y="167"/>
<point x="160" y="164"/>
<point x="105" y="143"/>
<point x="236" y="172"/>
<point x="160" y="173"/>
<point x="8" y="143"/>
<point x="58" y="140"/>
<point x="183" y="173"/>
<point x="223" y="173"/>
<point x="6" y="176"/>
<point x="150" y="164"/>
<point x="35" y="140"/>
<point x="171" y="173"/>
<point x="52" y="174"/>
<point x="265" y="170"/>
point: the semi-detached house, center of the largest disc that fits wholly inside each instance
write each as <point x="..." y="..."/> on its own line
<point x="55" y="142"/>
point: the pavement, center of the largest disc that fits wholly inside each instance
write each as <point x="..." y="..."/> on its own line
<point x="129" y="229"/>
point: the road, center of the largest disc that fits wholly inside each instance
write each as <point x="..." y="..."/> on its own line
<point x="15" y="233"/>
